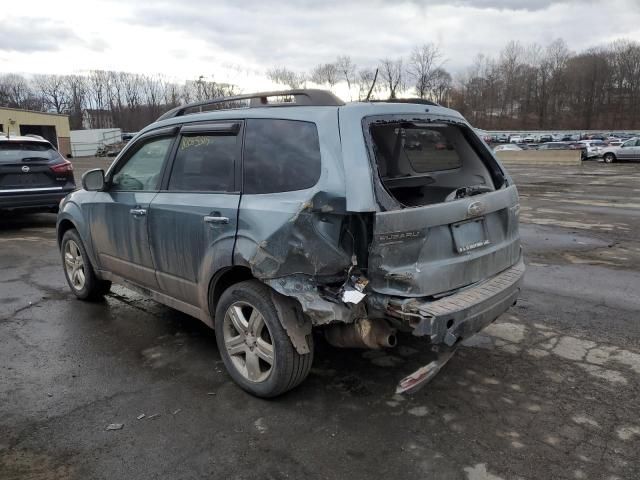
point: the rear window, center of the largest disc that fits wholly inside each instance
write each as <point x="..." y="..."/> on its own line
<point x="18" y="151"/>
<point x="280" y="156"/>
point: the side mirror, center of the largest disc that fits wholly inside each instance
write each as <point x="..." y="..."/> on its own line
<point x="93" y="180"/>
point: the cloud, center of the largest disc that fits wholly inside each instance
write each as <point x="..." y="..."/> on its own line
<point x="33" y="34"/>
<point x="302" y="33"/>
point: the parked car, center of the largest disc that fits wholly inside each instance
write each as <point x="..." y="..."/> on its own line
<point x="515" y="139"/>
<point x="579" y="146"/>
<point x="554" y="146"/>
<point x="508" y="147"/>
<point x="545" y="138"/>
<point x="528" y="139"/>
<point x="33" y="174"/>
<point x="502" y="138"/>
<point x="629" y="150"/>
<point x="593" y="147"/>
<point x="272" y="221"/>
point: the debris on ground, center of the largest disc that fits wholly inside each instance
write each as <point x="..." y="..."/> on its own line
<point x="155" y="415"/>
<point x="115" y="426"/>
<point x="141" y="416"/>
<point x="175" y="412"/>
<point x="211" y="393"/>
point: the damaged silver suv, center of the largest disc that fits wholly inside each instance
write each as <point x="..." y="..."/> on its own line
<point x="271" y="215"/>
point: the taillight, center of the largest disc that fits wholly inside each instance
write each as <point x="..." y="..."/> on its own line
<point x="64" y="167"/>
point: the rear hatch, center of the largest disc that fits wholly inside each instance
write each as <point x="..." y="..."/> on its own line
<point x="33" y="166"/>
<point x="450" y="217"/>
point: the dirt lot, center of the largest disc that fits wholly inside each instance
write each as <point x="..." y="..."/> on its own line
<point x="550" y="391"/>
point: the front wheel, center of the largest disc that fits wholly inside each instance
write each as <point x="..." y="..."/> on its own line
<point x="254" y="346"/>
<point x="78" y="270"/>
<point x="609" y="158"/>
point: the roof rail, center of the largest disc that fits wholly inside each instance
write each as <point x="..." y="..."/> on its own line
<point x="301" y="97"/>
<point x="419" y="101"/>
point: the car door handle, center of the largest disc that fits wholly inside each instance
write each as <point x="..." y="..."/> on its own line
<point x="216" y="220"/>
<point x="138" y="212"/>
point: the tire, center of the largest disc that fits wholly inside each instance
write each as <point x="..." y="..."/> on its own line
<point x="248" y="330"/>
<point x="78" y="271"/>
<point x="609" y="158"/>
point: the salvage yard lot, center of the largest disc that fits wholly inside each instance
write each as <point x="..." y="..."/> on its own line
<point x="549" y="391"/>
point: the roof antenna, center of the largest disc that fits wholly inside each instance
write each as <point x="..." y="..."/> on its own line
<point x="373" y="84"/>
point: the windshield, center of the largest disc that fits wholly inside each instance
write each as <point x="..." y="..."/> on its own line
<point x="11" y="152"/>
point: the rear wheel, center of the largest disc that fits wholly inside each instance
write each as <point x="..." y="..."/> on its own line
<point x="78" y="270"/>
<point x="609" y="158"/>
<point x="254" y="346"/>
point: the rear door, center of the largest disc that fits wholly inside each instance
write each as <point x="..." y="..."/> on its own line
<point x="193" y="220"/>
<point x="118" y="215"/>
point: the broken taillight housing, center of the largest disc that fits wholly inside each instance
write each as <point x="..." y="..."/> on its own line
<point x="64" y="167"/>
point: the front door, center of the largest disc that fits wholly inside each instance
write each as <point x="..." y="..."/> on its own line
<point x="118" y="215"/>
<point x="628" y="150"/>
<point x="193" y="220"/>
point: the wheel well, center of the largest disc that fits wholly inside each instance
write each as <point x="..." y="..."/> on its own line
<point x="224" y="280"/>
<point x="63" y="227"/>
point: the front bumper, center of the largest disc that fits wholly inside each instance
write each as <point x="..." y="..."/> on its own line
<point x="462" y="314"/>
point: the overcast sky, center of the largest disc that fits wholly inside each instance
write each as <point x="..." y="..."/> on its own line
<point x="237" y="40"/>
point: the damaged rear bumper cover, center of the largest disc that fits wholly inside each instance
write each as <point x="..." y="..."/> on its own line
<point x="460" y="315"/>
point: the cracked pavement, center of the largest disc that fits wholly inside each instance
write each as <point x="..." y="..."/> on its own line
<point x="548" y="391"/>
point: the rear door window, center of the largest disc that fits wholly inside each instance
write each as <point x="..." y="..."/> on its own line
<point x="205" y="162"/>
<point x="280" y="156"/>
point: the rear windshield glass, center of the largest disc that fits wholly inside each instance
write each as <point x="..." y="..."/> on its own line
<point x="20" y="151"/>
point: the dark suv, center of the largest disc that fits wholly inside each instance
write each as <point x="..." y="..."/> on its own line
<point x="33" y="174"/>
<point x="271" y="215"/>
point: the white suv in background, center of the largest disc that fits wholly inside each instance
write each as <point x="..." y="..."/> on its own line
<point x="594" y="147"/>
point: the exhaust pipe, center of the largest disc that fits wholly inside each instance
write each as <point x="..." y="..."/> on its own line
<point x="363" y="333"/>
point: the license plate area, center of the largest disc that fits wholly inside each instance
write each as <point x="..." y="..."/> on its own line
<point x="469" y="235"/>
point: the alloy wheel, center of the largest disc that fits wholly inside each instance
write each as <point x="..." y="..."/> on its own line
<point x="74" y="265"/>
<point x="248" y="341"/>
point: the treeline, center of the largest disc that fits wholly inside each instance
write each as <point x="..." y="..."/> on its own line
<point x="103" y="99"/>
<point x="520" y="87"/>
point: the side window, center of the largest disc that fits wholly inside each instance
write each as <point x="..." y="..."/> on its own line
<point x="280" y="156"/>
<point x="142" y="171"/>
<point x="204" y="163"/>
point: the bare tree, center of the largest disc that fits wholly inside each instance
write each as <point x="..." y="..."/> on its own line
<point x="16" y="92"/>
<point x="284" y="76"/>
<point x="77" y="88"/>
<point x="423" y="62"/>
<point x="54" y="92"/>
<point x="325" y="74"/>
<point x="440" y="86"/>
<point x="392" y="73"/>
<point x="346" y="70"/>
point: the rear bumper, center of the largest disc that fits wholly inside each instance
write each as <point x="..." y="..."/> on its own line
<point x="32" y="200"/>
<point x="462" y="314"/>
